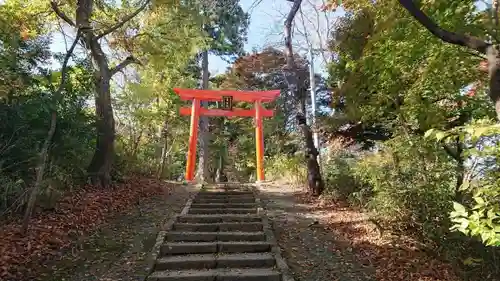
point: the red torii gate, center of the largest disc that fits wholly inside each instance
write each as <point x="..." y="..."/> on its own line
<point x="258" y="112"/>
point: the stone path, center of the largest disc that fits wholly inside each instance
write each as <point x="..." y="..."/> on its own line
<point x="221" y="235"/>
<point x="313" y="251"/>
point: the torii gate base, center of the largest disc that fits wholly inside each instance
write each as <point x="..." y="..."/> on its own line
<point x="258" y="112"/>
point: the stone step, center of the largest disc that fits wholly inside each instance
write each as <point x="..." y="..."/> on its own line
<point x="225" y="193"/>
<point x="244" y="247"/>
<point x="227" y="226"/>
<point x="223" y="205"/>
<point x="229" y="190"/>
<point x="227" y="198"/>
<point x="177" y="236"/>
<point x="207" y="218"/>
<point x="222" y="211"/>
<point x="244" y="260"/>
<point x="180" y="248"/>
<point x="224" y="200"/>
<point x="211" y="261"/>
<point x="226" y="189"/>
<point x="222" y="274"/>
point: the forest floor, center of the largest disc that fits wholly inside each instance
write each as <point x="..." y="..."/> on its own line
<point x="117" y="227"/>
<point x="325" y="240"/>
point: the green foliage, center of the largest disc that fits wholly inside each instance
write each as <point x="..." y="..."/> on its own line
<point x="290" y="169"/>
<point x="480" y="216"/>
<point x="392" y="82"/>
<point x="340" y="180"/>
<point x="393" y="77"/>
<point x="406" y="86"/>
<point x="225" y="23"/>
<point x="412" y="185"/>
<point x="25" y="126"/>
<point x="148" y="109"/>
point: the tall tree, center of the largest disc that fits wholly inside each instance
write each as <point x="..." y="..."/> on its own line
<point x="167" y="43"/>
<point x="93" y="31"/>
<point x="474" y="43"/>
<point x="263" y="71"/>
<point x="492" y="51"/>
<point x="314" y="179"/>
<point x="226" y="26"/>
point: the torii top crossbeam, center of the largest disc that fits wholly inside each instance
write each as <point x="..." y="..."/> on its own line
<point x="258" y="112"/>
<point x="216" y="95"/>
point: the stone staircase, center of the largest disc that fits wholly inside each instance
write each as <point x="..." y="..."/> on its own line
<point x="221" y="235"/>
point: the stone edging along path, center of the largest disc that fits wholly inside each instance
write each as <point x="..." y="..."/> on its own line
<point x="222" y="234"/>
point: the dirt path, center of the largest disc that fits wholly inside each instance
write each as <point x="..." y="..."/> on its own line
<point x="312" y="251"/>
<point x="325" y="240"/>
<point x="118" y="251"/>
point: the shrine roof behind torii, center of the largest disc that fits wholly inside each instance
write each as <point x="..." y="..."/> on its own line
<point x="216" y="95"/>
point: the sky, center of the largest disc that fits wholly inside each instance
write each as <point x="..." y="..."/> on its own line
<point x="266" y="29"/>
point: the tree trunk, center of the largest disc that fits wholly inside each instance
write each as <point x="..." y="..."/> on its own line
<point x="135" y="146"/>
<point x="163" y="156"/>
<point x="100" y="167"/>
<point x="314" y="179"/>
<point x="220" y="175"/>
<point x="203" y="139"/>
<point x="40" y="170"/>
<point x="460" y="169"/>
<point x="163" y="159"/>
<point x="457" y="155"/>
<point x="493" y="55"/>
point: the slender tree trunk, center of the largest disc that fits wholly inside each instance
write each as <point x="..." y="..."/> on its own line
<point x="314" y="179"/>
<point x="221" y="155"/>
<point x="163" y="155"/>
<point x="40" y="170"/>
<point x="460" y="174"/>
<point x="163" y="159"/>
<point x="493" y="55"/>
<point x="220" y="175"/>
<point x="457" y="155"/>
<point x="135" y="147"/>
<point x="44" y="151"/>
<point x="204" y="136"/>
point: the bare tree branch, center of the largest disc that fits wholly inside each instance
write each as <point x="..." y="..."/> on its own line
<point x="61" y="14"/>
<point x="129" y="60"/>
<point x="319" y="32"/>
<point x="124" y="21"/>
<point x="254" y="5"/>
<point x="64" y="70"/>
<point x="288" y="33"/>
<point x="495" y="16"/>
<point x="445" y="35"/>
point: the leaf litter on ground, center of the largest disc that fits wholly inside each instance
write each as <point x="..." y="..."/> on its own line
<point x="327" y="240"/>
<point x="62" y="234"/>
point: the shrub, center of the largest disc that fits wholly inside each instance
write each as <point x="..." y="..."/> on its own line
<point x="290" y="169"/>
<point x="340" y="181"/>
<point x="413" y="185"/>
